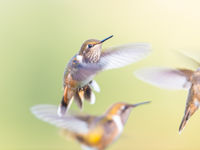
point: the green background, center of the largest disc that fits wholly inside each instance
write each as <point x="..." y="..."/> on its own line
<point x="37" y="39"/>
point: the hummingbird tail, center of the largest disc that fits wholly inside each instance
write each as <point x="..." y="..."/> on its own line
<point x="188" y="113"/>
<point x="63" y="108"/>
<point x="65" y="102"/>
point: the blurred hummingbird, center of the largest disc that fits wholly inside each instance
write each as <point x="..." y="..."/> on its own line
<point x="176" y="79"/>
<point x="79" y="73"/>
<point x="92" y="132"/>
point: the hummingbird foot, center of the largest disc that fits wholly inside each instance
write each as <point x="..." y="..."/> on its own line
<point x="89" y="95"/>
<point x="79" y="98"/>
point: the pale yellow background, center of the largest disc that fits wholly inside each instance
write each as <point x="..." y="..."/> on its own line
<point x="37" y="39"/>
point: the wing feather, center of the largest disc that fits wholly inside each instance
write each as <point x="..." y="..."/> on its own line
<point x="121" y="56"/>
<point x="166" y="77"/>
<point x="48" y="113"/>
<point x="112" y="58"/>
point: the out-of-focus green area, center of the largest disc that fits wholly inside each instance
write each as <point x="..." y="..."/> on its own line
<point x="37" y="39"/>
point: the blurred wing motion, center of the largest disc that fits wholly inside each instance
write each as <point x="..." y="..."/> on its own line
<point x="192" y="58"/>
<point x="123" y="55"/>
<point x="48" y="113"/>
<point x="113" y="58"/>
<point x="84" y="71"/>
<point x="166" y="77"/>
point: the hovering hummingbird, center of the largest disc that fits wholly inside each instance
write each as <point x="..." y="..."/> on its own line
<point x="79" y="73"/>
<point x="92" y="132"/>
<point x="176" y="79"/>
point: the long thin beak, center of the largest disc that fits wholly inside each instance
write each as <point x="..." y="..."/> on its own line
<point x="135" y="105"/>
<point x="106" y="39"/>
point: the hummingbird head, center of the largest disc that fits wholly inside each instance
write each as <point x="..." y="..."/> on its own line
<point x="122" y="110"/>
<point x="91" y="49"/>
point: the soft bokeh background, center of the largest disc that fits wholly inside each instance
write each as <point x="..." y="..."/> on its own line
<point x="37" y="39"/>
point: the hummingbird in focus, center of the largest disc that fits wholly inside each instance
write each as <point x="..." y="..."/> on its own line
<point x="78" y="80"/>
<point x="92" y="132"/>
<point x="176" y="79"/>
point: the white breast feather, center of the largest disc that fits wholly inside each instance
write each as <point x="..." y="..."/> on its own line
<point x="79" y="58"/>
<point x="118" y="122"/>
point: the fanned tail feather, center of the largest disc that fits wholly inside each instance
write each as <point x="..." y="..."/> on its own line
<point x="79" y="95"/>
<point x="184" y="121"/>
<point x="188" y="113"/>
<point x="65" y="102"/>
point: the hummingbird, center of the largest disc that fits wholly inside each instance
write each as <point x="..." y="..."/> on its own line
<point x="92" y="132"/>
<point x="176" y="79"/>
<point x="78" y="77"/>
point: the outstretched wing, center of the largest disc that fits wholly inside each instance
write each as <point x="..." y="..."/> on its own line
<point x="85" y="71"/>
<point x="166" y="77"/>
<point x="112" y="58"/>
<point x="123" y="55"/>
<point x="79" y="70"/>
<point x="190" y="57"/>
<point x="48" y="113"/>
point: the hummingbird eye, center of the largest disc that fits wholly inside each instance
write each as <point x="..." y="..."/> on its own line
<point x="90" y="45"/>
<point x="124" y="108"/>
